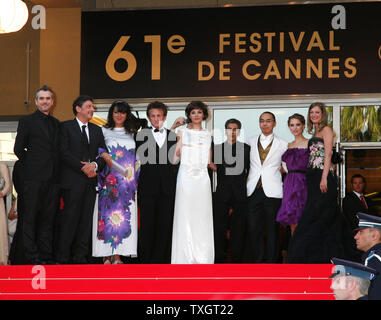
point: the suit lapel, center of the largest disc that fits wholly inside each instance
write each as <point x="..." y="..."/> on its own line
<point x="91" y="133"/>
<point x="92" y="139"/>
<point x="359" y="202"/>
<point x="76" y="127"/>
<point x="258" y="158"/>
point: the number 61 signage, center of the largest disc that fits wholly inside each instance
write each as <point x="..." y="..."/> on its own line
<point x="239" y="51"/>
<point x="175" y="44"/>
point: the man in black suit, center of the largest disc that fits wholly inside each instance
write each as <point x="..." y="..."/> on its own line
<point x="355" y="201"/>
<point x="79" y="144"/>
<point x="156" y="191"/>
<point x="232" y="159"/>
<point x="36" y="146"/>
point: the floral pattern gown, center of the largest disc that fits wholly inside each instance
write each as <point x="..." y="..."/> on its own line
<point x="115" y="214"/>
<point x="322" y="232"/>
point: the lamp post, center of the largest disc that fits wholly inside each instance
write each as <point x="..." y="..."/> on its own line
<point x="13" y="15"/>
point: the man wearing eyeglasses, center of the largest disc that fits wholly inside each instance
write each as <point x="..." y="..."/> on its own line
<point x="265" y="192"/>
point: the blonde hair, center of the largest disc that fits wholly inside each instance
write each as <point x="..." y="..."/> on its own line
<point x="324" y="117"/>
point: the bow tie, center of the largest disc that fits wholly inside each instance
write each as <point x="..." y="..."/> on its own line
<point x="157" y="130"/>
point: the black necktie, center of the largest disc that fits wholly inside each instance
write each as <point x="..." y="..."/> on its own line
<point x="157" y="130"/>
<point x="86" y="152"/>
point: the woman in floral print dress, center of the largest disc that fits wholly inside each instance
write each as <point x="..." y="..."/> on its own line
<point x="322" y="232"/>
<point x="115" y="215"/>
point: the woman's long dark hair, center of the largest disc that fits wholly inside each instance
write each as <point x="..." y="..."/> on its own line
<point x="131" y="125"/>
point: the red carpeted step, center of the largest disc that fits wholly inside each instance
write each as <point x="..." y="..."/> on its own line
<point x="160" y="282"/>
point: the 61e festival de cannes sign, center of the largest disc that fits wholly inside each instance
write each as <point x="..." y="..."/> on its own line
<point x="237" y="51"/>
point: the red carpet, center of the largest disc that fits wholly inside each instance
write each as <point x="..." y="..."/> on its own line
<point x="167" y="282"/>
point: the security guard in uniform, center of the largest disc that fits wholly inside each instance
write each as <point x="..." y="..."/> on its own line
<point x="368" y="239"/>
<point x="350" y="280"/>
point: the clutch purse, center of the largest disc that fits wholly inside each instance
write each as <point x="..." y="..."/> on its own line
<point x="2" y="183"/>
<point x="116" y="166"/>
<point x="336" y="157"/>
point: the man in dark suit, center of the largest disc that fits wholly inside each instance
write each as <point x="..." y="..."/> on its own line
<point x="36" y="145"/>
<point x="355" y="201"/>
<point x="79" y="144"/>
<point x="232" y="159"/>
<point x="156" y="191"/>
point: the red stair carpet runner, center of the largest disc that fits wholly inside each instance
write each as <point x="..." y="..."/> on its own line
<point x="166" y="282"/>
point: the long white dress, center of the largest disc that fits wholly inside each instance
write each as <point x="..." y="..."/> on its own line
<point x="4" y="250"/>
<point x="192" y="240"/>
<point x="115" y="227"/>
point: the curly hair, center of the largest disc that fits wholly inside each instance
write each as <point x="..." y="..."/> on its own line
<point x="196" y="105"/>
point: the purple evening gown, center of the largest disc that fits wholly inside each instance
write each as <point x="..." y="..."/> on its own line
<point x="294" y="186"/>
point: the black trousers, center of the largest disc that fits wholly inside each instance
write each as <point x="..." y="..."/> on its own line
<point x="39" y="208"/>
<point x="75" y="223"/>
<point x="17" y="251"/>
<point x="155" y="233"/>
<point x="235" y="223"/>
<point x="262" y="228"/>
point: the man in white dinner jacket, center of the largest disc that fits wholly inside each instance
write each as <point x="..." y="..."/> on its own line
<point x="265" y="192"/>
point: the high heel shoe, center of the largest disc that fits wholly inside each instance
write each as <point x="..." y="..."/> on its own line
<point x="117" y="261"/>
<point x="107" y="260"/>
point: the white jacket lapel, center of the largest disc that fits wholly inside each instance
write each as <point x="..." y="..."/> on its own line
<point x="273" y="149"/>
<point x="257" y="157"/>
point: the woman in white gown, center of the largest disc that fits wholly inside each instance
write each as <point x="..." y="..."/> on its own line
<point x="192" y="240"/>
<point x="5" y="189"/>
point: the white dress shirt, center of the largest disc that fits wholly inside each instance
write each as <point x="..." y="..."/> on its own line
<point x="86" y="129"/>
<point x="266" y="140"/>
<point x="159" y="136"/>
<point x="88" y="137"/>
<point x="359" y="196"/>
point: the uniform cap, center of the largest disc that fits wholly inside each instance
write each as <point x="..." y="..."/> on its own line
<point x="368" y="221"/>
<point x="350" y="268"/>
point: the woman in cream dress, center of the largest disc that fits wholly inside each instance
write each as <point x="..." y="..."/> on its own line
<point x="4" y="250"/>
<point x="193" y="240"/>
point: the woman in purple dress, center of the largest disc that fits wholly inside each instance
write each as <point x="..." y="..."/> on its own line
<point x="115" y="215"/>
<point x="295" y="187"/>
<point x="322" y="231"/>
